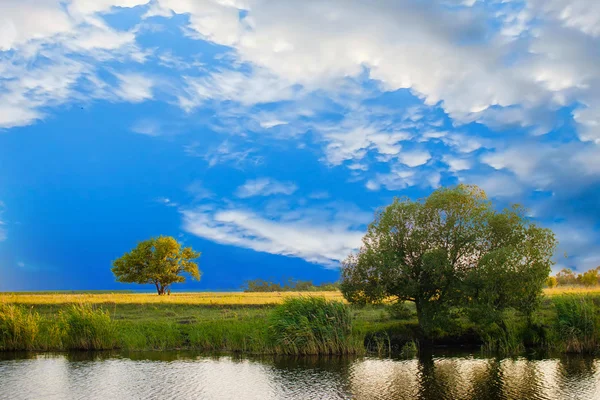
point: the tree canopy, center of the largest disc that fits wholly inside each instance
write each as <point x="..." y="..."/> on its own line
<point x="160" y="261"/>
<point x="451" y="248"/>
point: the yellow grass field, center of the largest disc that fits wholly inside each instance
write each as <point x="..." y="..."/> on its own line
<point x="202" y="298"/>
<point x="198" y="298"/>
<point x="572" y="290"/>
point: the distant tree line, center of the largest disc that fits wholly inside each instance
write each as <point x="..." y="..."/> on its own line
<point x="568" y="277"/>
<point x="292" y="285"/>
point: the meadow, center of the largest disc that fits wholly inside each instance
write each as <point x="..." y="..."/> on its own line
<point x="568" y="320"/>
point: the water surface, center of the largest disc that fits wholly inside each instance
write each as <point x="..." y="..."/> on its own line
<point x="187" y="376"/>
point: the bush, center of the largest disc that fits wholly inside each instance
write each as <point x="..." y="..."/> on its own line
<point x="311" y="325"/>
<point x="399" y="310"/>
<point x="86" y="328"/>
<point x="18" y="328"/>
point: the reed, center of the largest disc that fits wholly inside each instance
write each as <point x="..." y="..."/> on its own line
<point x="577" y="323"/>
<point x="311" y="325"/>
<point x="87" y="328"/>
<point x="19" y="327"/>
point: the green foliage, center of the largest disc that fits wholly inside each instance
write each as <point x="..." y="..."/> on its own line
<point x="19" y="328"/>
<point x="578" y="323"/>
<point x="160" y="261"/>
<point x="551" y="282"/>
<point x="450" y="249"/>
<point x="86" y="328"/>
<point x="260" y="285"/>
<point x="311" y="325"/>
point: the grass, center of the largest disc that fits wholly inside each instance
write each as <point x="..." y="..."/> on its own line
<point x="226" y="321"/>
<point x="244" y="322"/>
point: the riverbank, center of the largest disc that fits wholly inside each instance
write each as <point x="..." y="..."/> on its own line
<point x="239" y="323"/>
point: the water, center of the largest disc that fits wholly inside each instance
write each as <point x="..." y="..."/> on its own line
<point x="185" y="376"/>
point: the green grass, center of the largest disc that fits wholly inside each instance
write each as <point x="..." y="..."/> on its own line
<point x="228" y="322"/>
<point x="170" y="325"/>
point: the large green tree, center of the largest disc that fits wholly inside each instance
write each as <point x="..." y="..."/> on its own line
<point x="160" y="261"/>
<point x="451" y="248"/>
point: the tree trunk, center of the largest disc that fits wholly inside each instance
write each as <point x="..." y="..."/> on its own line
<point x="159" y="289"/>
<point x="419" y="308"/>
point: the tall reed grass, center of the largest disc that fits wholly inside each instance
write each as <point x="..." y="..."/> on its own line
<point x="312" y="325"/>
<point x="578" y="323"/>
<point x="19" y="327"/>
<point x="86" y="328"/>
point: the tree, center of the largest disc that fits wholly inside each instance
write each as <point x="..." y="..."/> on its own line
<point x="551" y="282"/>
<point x="566" y="277"/>
<point x="449" y="249"/>
<point x="589" y="278"/>
<point x="160" y="261"/>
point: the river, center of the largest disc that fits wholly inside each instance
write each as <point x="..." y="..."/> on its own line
<point x="157" y="375"/>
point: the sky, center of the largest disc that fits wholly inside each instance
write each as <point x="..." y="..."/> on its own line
<point x="265" y="133"/>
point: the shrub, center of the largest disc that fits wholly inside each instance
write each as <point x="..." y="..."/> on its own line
<point x="86" y="328"/>
<point x="311" y="325"/>
<point x="399" y="310"/>
<point x="19" y="328"/>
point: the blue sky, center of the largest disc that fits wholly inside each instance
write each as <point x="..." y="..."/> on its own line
<point x="265" y="133"/>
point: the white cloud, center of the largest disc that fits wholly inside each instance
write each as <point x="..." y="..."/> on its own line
<point x="167" y="202"/>
<point x="457" y="164"/>
<point x="414" y="158"/>
<point x="23" y="91"/>
<point x="496" y="185"/>
<point x="323" y="240"/>
<point x="566" y="168"/>
<point x="265" y="187"/>
<point x="583" y="15"/>
<point x="309" y="47"/>
<point x="20" y="21"/>
<point x="134" y="87"/>
<point x="56" y="61"/>
<point x="258" y="86"/>
<point x="147" y="127"/>
<point x="361" y="131"/>
<point x="225" y="152"/>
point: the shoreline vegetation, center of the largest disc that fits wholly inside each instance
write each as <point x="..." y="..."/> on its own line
<point x="294" y="323"/>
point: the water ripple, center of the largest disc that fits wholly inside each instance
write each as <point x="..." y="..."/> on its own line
<point x="178" y="377"/>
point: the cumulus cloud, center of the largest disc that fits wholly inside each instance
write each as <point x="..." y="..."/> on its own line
<point x="309" y="48"/>
<point x="265" y="187"/>
<point x="324" y="236"/>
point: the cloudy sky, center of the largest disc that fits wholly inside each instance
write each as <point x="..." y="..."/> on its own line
<point x="265" y="133"/>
